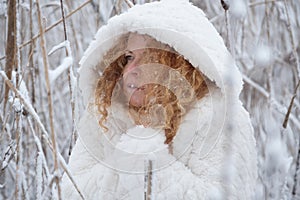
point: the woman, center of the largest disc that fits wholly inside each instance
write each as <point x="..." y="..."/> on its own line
<point x="163" y="90"/>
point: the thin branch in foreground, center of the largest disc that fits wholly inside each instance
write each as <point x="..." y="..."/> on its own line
<point x="294" y="51"/>
<point x="63" y="19"/>
<point x="70" y="79"/>
<point x="11" y="45"/>
<point x="50" y="104"/>
<point x="286" y="119"/>
<point x="294" y="191"/>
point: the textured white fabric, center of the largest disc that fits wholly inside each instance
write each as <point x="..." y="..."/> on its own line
<point x="208" y="161"/>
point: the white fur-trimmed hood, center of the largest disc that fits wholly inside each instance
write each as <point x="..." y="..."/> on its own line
<point x="180" y="25"/>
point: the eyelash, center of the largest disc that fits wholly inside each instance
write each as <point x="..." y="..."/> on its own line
<point x="129" y="57"/>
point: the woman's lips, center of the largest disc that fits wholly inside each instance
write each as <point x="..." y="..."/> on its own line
<point x="134" y="87"/>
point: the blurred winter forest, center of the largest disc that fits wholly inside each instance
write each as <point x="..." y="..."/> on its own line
<point x="42" y="41"/>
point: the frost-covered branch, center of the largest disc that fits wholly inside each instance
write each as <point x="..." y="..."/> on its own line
<point x="24" y="101"/>
<point x="66" y="64"/>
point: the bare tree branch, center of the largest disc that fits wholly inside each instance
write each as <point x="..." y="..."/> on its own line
<point x="11" y="44"/>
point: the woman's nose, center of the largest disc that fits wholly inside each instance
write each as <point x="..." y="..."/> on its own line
<point x="132" y="71"/>
<point x="132" y="68"/>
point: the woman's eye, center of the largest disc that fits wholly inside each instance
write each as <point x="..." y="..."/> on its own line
<point x="129" y="57"/>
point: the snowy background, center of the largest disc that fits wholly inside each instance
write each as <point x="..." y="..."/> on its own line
<point x="262" y="35"/>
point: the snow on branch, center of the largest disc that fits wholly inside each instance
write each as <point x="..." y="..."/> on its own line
<point x="129" y="3"/>
<point x="66" y="63"/>
<point x="63" y="44"/>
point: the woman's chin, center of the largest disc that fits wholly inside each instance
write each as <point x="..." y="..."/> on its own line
<point x="137" y="99"/>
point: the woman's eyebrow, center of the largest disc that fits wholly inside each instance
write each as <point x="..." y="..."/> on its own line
<point x="128" y="51"/>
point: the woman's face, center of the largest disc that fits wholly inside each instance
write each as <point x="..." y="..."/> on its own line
<point x="137" y="77"/>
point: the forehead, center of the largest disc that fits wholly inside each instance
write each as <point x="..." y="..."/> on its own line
<point x="137" y="41"/>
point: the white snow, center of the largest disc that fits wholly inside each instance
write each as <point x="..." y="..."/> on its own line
<point x="39" y="176"/>
<point x="4" y="164"/>
<point x="66" y="63"/>
<point x="63" y="44"/>
<point x="238" y="8"/>
<point x="262" y="55"/>
<point x="17" y="105"/>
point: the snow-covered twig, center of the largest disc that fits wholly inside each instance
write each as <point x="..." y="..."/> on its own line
<point x="70" y="75"/>
<point x="25" y="195"/>
<point x="129" y="3"/>
<point x="230" y="41"/>
<point x="39" y="147"/>
<point x="8" y="155"/>
<point x="57" y="47"/>
<point x="66" y="64"/>
<point x="24" y="101"/>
